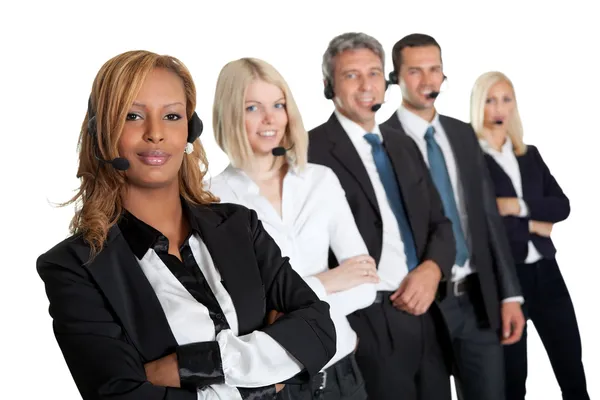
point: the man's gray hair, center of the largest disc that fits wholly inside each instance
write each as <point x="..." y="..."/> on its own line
<point x="349" y="41"/>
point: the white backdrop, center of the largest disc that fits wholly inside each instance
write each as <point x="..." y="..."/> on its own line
<point x="51" y="53"/>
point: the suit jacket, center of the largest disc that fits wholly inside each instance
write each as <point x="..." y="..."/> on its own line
<point x="543" y="196"/>
<point x="108" y="321"/>
<point x="488" y="244"/>
<point x="432" y="231"/>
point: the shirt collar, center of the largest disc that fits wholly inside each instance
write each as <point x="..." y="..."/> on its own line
<point x="506" y="148"/>
<point x="242" y="184"/>
<point x="415" y="124"/>
<point x="354" y="130"/>
<point x="140" y="236"/>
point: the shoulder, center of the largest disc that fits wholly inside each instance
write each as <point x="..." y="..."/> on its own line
<point x="320" y="177"/>
<point x="219" y="185"/>
<point x="65" y="255"/>
<point x="222" y="211"/>
<point x="320" y="133"/>
<point x="455" y="123"/>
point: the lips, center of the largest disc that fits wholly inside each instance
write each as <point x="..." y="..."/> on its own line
<point x="154" y="157"/>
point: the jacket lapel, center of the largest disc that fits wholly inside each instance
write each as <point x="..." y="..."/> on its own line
<point x="345" y="152"/>
<point x="406" y="173"/>
<point x="462" y="158"/>
<point x="239" y="277"/>
<point x="119" y="276"/>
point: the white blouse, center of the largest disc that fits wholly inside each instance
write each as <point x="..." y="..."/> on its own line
<point x="315" y="217"/>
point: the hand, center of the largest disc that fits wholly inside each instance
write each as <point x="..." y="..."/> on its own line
<point x="417" y="290"/>
<point x="541" y="228"/>
<point x="164" y="371"/>
<point x="508" y="206"/>
<point x="279" y="387"/>
<point x="513" y="322"/>
<point x="351" y="273"/>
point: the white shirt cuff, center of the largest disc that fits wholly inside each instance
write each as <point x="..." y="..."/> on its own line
<point x="317" y="286"/>
<point x="524" y="210"/>
<point x="520" y="299"/>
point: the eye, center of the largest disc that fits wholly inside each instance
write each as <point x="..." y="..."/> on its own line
<point x="489" y="101"/>
<point x="507" y="99"/>
<point x="251" y="108"/>
<point x="350" y="75"/>
<point x="173" y="117"/>
<point x="280" y="105"/>
<point x="132" y="117"/>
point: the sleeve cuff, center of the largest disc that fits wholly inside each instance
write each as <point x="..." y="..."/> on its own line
<point x="315" y="284"/>
<point x="524" y="210"/>
<point x="520" y="299"/>
<point x="200" y="365"/>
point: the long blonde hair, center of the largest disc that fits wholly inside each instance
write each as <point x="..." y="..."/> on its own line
<point x="228" y="112"/>
<point x="479" y="95"/>
<point x="114" y="89"/>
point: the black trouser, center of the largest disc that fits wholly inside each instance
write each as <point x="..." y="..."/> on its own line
<point x="340" y="381"/>
<point x="399" y="354"/>
<point x="478" y="354"/>
<point x="548" y="305"/>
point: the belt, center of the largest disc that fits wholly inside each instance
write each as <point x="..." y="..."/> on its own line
<point x="319" y="381"/>
<point x="458" y="288"/>
<point x="381" y="296"/>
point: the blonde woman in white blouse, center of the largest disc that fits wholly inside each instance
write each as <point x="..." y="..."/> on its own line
<point x="301" y="205"/>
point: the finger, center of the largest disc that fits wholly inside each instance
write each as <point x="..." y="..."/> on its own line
<point x="362" y="259"/>
<point x="512" y="339"/>
<point x="506" y="327"/>
<point x="399" y="291"/>
<point x="410" y="295"/>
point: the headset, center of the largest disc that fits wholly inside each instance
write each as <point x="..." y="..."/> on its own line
<point x="394" y="78"/>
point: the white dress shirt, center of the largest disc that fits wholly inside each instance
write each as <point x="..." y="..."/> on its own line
<point x="315" y="217"/>
<point x="507" y="160"/>
<point x="252" y="360"/>
<point x="392" y="264"/>
<point x="415" y="127"/>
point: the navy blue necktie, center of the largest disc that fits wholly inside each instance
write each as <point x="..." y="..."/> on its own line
<point x="441" y="179"/>
<point x="392" y="191"/>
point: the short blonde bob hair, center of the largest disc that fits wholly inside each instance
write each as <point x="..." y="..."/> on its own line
<point x="229" y="112"/>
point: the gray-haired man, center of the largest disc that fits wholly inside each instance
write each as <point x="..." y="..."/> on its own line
<point x="401" y="219"/>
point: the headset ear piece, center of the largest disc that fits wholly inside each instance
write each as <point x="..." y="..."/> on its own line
<point x="393" y="78"/>
<point x="328" y="90"/>
<point x="195" y="128"/>
<point x="91" y="125"/>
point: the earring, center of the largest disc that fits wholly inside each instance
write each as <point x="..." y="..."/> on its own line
<point x="189" y="148"/>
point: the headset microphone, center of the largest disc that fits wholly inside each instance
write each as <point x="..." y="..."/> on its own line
<point x="498" y="122"/>
<point x="433" y="95"/>
<point x="280" y="150"/>
<point x="375" y="107"/>
<point x="119" y="163"/>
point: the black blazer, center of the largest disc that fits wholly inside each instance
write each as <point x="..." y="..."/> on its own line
<point x="108" y="321"/>
<point x="489" y="248"/>
<point x="542" y="194"/>
<point x="432" y="231"/>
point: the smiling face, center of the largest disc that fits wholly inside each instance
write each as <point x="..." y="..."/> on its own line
<point x="155" y="132"/>
<point x="358" y="83"/>
<point x="265" y="118"/>
<point x="420" y="74"/>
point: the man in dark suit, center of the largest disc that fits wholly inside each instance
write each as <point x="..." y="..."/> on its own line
<point x="400" y="217"/>
<point x="482" y="306"/>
